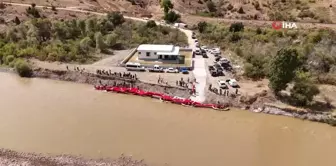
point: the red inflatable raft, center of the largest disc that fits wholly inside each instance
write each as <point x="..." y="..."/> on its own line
<point x="164" y="97"/>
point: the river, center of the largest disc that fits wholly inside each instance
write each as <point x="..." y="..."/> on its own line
<point x="55" y="117"/>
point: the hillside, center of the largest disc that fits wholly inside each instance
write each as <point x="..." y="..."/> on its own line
<point x="322" y="11"/>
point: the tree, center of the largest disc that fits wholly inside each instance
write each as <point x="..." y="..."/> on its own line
<point x="111" y="39"/>
<point x="116" y="18"/>
<point x="43" y="29"/>
<point x="85" y="45"/>
<point x="23" y="68"/>
<point x="166" y="5"/>
<point x="90" y="25"/>
<point x="81" y="25"/>
<point x="236" y="27"/>
<point x="171" y="17"/>
<point x="211" y="6"/>
<point x="241" y="10"/>
<point x="282" y="68"/>
<point x="17" y="20"/>
<point x="304" y="89"/>
<point x="150" y="24"/>
<point x="100" y="45"/>
<point x="201" y="26"/>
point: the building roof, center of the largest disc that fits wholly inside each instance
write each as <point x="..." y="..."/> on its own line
<point x="156" y="47"/>
<point x="175" y="51"/>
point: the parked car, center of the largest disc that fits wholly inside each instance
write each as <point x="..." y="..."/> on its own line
<point x="185" y="71"/>
<point x="193" y="37"/>
<point x="211" y="68"/>
<point x="222" y="84"/>
<point x="156" y="68"/>
<point x="233" y="83"/>
<point x="196" y="40"/>
<point x="172" y="70"/>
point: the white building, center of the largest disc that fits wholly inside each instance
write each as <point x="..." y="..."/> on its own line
<point x="158" y="52"/>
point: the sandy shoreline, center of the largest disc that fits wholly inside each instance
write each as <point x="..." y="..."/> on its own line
<point x="13" y="158"/>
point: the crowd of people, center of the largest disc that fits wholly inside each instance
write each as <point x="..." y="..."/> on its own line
<point x="117" y="74"/>
<point x="221" y="92"/>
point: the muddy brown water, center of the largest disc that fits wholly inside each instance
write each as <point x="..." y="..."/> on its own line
<point x="47" y="116"/>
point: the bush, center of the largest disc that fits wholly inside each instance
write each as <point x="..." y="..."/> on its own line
<point x="150" y="24"/>
<point x="23" y="68"/>
<point x="33" y="11"/>
<point x="116" y="18"/>
<point x="236" y="27"/>
<point x="9" y="59"/>
<point x="304" y="90"/>
<point x="241" y="10"/>
<point x="229" y="7"/>
<point x="201" y="26"/>
<point x="211" y="6"/>
<point x="171" y="17"/>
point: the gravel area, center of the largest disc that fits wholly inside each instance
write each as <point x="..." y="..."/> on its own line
<point x="13" y="158"/>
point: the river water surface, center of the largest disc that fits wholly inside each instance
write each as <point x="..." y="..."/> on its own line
<point x="47" y="116"/>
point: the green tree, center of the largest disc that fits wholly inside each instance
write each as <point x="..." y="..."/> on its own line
<point x="236" y="27"/>
<point x="85" y="45"/>
<point x="116" y="18"/>
<point x="211" y="6"/>
<point x="171" y="17"/>
<point x="100" y="45"/>
<point x="304" y="89"/>
<point x="166" y="5"/>
<point x="151" y="24"/>
<point x="241" y="10"/>
<point x="23" y="68"/>
<point x="282" y="68"/>
<point x="201" y="26"/>
<point x="111" y="39"/>
<point x="43" y="29"/>
<point x="90" y="25"/>
<point x="81" y="26"/>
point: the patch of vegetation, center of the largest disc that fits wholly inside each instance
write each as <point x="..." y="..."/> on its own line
<point x="23" y="68"/>
<point x="169" y="15"/>
<point x="279" y="55"/>
<point x="80" y="40"/>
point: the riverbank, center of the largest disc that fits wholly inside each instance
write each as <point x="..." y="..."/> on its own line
<point x="9" y="157"/>
<point x="258" y="103"/>
<point x="95" y="79"/>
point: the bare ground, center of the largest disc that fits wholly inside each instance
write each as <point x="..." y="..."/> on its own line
<point x="13" y="158"/>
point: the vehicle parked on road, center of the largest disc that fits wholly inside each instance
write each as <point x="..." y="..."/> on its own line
<point x="156" y="68"/>
<point x="233" y="83"/>
<point x="172" y="70"/>
<point x="184" y="71"/>
<point x="222" y="84"/>
<point x="134" y="67"/>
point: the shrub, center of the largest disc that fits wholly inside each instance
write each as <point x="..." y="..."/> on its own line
<point x="201" y="26"/>
<point x="211" y="6"/>
<point x="23" y="68"/>
<point x="116" y="18"/>
<point x="171" y="17"/>
<point x="150" y="24"/>
<point x="241" y="10"/>
<point x="304" y="89"/>
<point x="229" y="7"/>
<point x="236" y="27"/>
<point x="33" y="11"/>
<point x="9" y="59"/>
<point x="53" y="8"/>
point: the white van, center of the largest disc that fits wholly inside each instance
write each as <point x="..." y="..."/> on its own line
<point x="134" y="67"/>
